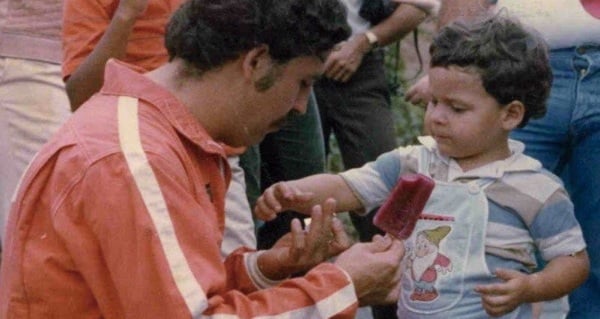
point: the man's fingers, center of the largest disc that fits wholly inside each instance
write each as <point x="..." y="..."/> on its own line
<point x="298" y="235"/>
<point x="341" y="237"/>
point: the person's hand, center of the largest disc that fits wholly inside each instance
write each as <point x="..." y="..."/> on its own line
<point x="131" y="9"/>
<point x="279" y="197"/>
<point x="345" y="58"/>
<point x="419" y="93"/>
<point x="300" y="250"/>
<point x="431" y="7"/>
<point x="501" y="298"/>
<point x="375" y="269"/>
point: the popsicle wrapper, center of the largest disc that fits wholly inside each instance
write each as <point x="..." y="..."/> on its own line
<point x="400" y="212"/>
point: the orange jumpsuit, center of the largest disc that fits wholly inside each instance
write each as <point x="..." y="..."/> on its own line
<point x="121" y="215"/>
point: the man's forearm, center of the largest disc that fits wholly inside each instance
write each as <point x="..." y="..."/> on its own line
<point x="461" y="9"/>
<point x="402" y="21"/>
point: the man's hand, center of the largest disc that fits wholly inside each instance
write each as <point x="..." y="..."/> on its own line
<point x="279" y="197"/>
<point x="300" y="250"/>
<point x="345" y="58"/>
<point x="501" y="298"/>
<point x="375" y="269"/>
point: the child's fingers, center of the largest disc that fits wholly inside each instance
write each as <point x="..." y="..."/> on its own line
<point x="508" y="274"/>
<point x="492" y="289"/>
<point x="262" y="211"/>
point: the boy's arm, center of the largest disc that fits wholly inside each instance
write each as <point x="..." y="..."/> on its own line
<point x="302" y="194"/>
<point x="560" y="276"/>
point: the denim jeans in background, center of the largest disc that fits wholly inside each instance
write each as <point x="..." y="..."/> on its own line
<point x="293" y="152"/>
<point x="567" y="142"/>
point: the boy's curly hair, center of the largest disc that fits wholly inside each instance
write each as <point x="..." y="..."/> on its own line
<point x="511" y="59"/>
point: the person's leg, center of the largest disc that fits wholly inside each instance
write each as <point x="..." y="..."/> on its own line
<point x="294" y="152"/>
<point x="360" y="115"/>
<point x="567" y="143"/>
<point x="33" y="105"/>
<point x="583" y="175"/>
<point x="548" y="140"/>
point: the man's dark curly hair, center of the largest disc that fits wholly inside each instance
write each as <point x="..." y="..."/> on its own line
<point x="511" y="60"/>
<point x="208" y="33"/>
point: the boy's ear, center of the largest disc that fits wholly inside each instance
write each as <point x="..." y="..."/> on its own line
<point x="513" y="115"/>
<point x="256" y="61"/>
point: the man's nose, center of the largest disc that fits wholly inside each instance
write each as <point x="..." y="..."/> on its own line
<point x="301" y="104"/>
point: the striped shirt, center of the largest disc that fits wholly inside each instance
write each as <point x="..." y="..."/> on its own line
<point x="529" y="210"/>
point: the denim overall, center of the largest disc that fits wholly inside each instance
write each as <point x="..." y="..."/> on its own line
<point x="442" y="286"/>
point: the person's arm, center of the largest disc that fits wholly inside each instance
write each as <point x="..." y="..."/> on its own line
<point x="87" y="78"/>
<point x="347" y="56"/>
<point x="560" y="276"/>
<point x="462" y="9"/>
<point x="560" y="242"/>
<point x="302" y="194"/>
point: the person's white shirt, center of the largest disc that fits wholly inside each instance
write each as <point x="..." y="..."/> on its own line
<point x="562" y="23"/>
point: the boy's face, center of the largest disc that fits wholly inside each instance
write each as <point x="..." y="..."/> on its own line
<point x="465" y="121"/>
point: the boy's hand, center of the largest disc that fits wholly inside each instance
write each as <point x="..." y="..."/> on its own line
<point x="501" y="298"/>
<point x="279" y="197"/>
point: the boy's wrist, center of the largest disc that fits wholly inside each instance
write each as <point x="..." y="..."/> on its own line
<point x="531" y="294"/>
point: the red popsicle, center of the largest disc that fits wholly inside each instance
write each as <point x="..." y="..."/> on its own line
<point x="399" y="214"/>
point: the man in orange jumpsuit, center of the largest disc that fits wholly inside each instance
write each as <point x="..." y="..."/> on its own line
<point x="121" y="214"/>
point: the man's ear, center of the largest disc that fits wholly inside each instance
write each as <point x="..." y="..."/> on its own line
<point x="513" y="115"/>
<point x="256" y="61"/>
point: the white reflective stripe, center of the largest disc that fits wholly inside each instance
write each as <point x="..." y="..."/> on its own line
<point x="325" y="308"/>
<point x="131" y="146"/>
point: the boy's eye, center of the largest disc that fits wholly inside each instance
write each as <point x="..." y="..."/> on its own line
<point x="457" y="109"/>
